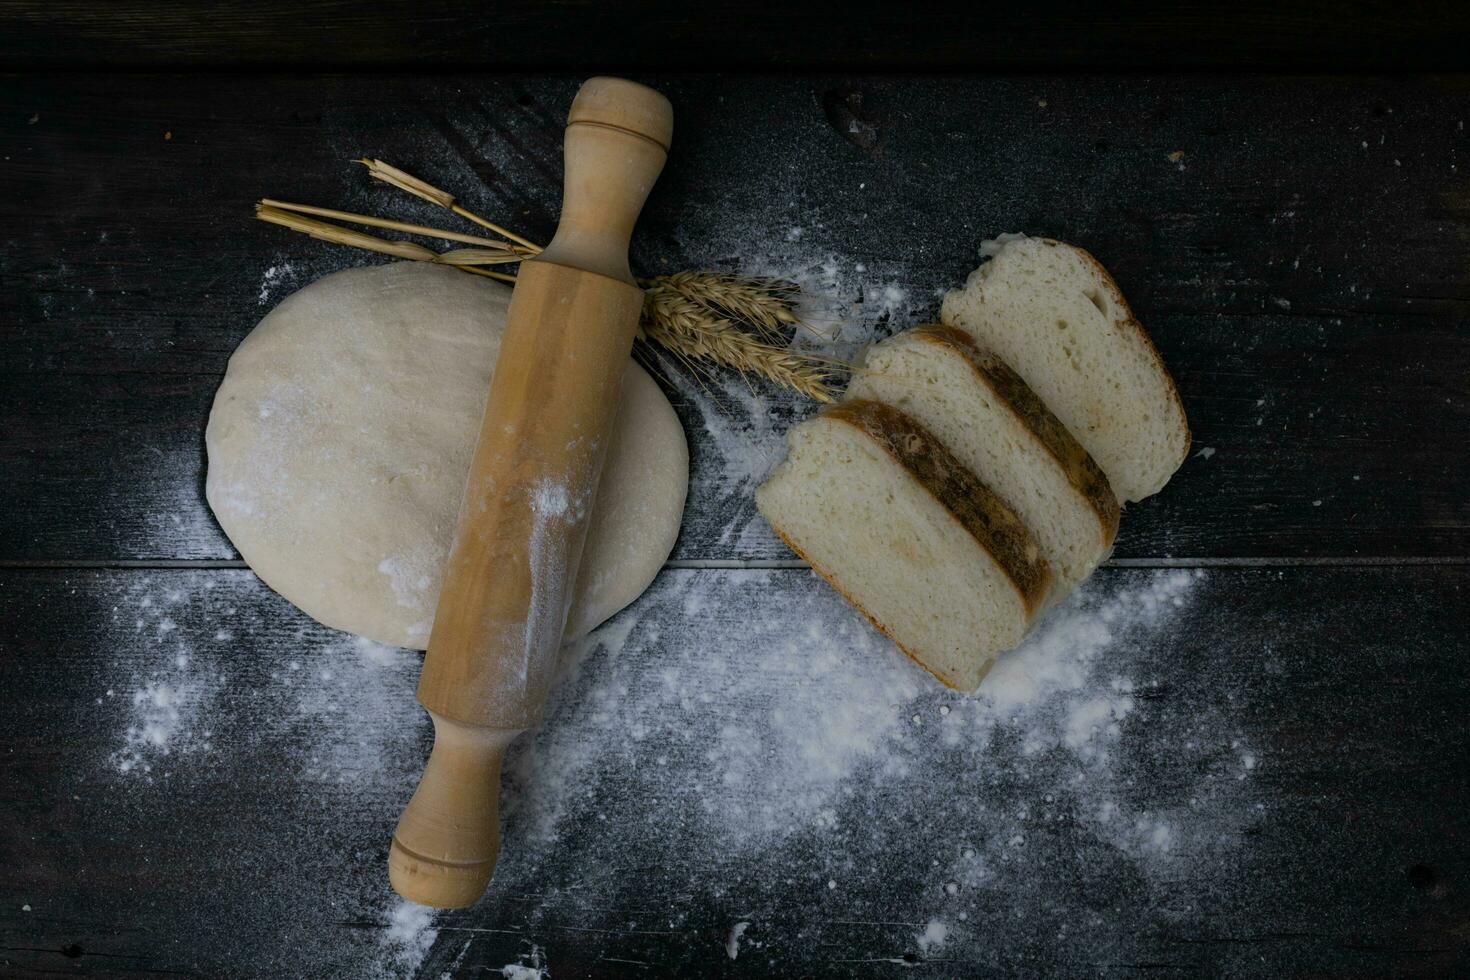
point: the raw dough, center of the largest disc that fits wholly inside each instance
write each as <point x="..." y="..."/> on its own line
<point x="341" y="435"/>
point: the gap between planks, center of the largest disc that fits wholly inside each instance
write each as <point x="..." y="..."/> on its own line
<point x="203" y="564"/>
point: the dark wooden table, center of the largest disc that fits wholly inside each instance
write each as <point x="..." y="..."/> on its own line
<point x="1287" y="793"/>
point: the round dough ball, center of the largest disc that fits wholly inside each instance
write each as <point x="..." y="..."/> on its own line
<point x="341" y="435"/>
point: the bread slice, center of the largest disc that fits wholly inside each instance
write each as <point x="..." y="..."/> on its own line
<point x="1055" y="315"/>
<point x="899" y="527"/>
<point x="996" y="426"/>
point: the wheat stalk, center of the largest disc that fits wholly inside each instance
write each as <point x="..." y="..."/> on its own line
<point x="342" y="236"/>
<point x="404" y="226"/>
<point x="691" y="331"/>
<point x="394" y="177"/>
<point x="465" y="259"/>
<point x="696" y="316"/>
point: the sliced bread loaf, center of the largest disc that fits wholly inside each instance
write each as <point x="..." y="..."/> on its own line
<point x="1055" y="315"/>
<point x="996" y="426"/>
<point x="905" y="532"/>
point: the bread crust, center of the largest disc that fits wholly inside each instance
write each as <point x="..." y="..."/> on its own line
<point x="987" y="518"/>
<point x="1122" y="318"/>
<point x="1081" y="470"/>
<point x="836" y="585"/>
<point x="1130" y="322"/>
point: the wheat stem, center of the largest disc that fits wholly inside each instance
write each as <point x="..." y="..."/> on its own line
<point x="502" y="276"/>
<point x="464" y="258"/>
<point x="403" y="226"/>
<point x="394" y="177"/>
<point x="342" y="236"/>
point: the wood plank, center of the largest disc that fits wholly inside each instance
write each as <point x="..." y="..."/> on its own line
<point x="1303" y="266"/>
<point x="1252" y="771"/>
<point x="721" y="35"/>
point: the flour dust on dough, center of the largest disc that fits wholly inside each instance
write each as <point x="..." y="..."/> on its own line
<point x="341" y="435"/>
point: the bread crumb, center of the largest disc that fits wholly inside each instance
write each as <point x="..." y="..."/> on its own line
<point x="1205" y="453"/>
<point x="1176" y="156"/>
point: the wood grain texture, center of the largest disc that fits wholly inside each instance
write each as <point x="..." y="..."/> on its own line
<point x="1338" y="850"/>
<point x="1302" y="267"/>
<point x="721" y="34"/>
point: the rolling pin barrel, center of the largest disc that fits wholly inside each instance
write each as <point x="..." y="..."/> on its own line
<point x="531" y="489"/>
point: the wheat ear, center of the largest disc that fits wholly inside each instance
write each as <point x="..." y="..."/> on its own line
<point x="691" y="332"/>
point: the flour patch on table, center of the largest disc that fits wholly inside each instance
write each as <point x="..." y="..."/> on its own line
<point x="331" y="715"/>
<point x="763" y="744"/>
<point x="167" y="700"/>
<point x="734" y="731"/>
<point x="277" y="280"/>
<point x="744" y="443"/>
<point x="336" y="690"/>
<point x="410" y="934"/>
<point x="934" y="936"/>
<point x="771" y="718"/>
<point x="528" y="966"/>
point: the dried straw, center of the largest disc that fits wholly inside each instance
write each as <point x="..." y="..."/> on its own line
<point x="702" y="318"/>
<point x="394" y="177"/>
<point x="404" y="226"/>
<point x="465" y="259"/>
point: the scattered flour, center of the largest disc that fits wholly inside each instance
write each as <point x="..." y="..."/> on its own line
<point x="353" y="680"/>
<point x="732" y="939"/>
<point x="551" y="508"/>
<point x="275" y="278"/>
<point x="518" y="971"/>
<point x="410" y="934"/>
<point x="168" y="696"/>
<point x="199" y="699"/>
<point x="744" y="443"/>
<point x="935" y="935"/>
<point x="756" y="746"/>
<point x="725" y="747"/>
<point x="522" y="970"/>
<point x="823" y="698"/>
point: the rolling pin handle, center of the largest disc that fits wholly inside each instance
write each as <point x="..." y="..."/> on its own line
<point x="617" y="139"/>
<point x="444" y="849"/>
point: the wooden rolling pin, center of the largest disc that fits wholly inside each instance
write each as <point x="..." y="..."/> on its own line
<point x="531" y="488"/>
